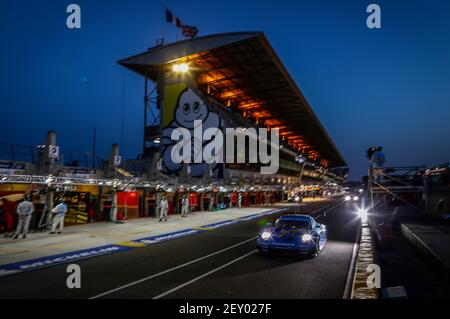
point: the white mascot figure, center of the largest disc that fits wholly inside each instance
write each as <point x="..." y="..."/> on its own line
<point x="190" y="107"/>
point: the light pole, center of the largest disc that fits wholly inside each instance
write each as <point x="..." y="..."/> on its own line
<point x="302" y="161"/>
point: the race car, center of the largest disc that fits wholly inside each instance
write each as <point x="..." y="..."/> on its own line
<point x="296" y="198"/>
<point x="351" y="197"/>
<point x="297" y="234"/>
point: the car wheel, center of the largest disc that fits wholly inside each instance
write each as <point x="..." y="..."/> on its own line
<point x="261" y="252"/>
<point x="317" y="248"/>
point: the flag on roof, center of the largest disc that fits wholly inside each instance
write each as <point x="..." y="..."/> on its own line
<point x="187" y="30"/>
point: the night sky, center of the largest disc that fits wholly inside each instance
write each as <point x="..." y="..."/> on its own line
<point x="388" y="87"/>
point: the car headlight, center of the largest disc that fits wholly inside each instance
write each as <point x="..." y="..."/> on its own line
<point x="306" y="237"/>
<point x="266" y="235"/>
<point x="347" y="198"/>
<point x="355" y="197"/>
<point x="297" y="198"/>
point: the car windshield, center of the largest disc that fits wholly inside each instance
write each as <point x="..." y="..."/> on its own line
<point x="287" y="224"/>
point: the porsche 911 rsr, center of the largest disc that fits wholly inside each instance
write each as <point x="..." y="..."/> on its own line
<point x="298" y="234"/>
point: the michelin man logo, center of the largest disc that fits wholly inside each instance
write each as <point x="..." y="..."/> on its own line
<point x="190" y="111"/>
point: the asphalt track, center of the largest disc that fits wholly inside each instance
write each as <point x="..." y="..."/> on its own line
<point x="221" y="263"/>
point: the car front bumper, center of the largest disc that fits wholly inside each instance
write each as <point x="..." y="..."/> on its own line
<point x="268" y="246"/>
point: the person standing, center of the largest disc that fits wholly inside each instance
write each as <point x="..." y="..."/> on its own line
<point x="8" y="216"/>
<point x="212" y="198"/>
<point x="164" y="207"/>
<point x="58" y="212"/>
<point x="184" y="206"/>
<point x="233" y="200"/>
<point x="24" y="211"/>
<point x="113" y="211"/>
<point x="240" y="200"/>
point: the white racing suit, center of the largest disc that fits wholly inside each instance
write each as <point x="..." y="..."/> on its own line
<point x="164" y="207"/>
<point x="211" y="202"/>
<point x="58" y="217"/>
<point x="24" y="211"/>
<point x="240" y="201"/>
<point x="184" y="207"/>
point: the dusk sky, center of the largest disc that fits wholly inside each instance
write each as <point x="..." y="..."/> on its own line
<point x="388" y="87"/>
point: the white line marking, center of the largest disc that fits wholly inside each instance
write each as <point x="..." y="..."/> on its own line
<point x="324" y="213"/>
<point x="203" y="276"/>
<point x="428" y="248"/>
<point x="223" y="266"/>
<point x="171" y="269"/>
<point x="349" y="281"/>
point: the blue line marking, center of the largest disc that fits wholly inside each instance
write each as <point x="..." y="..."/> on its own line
<point x="48" y="261"/>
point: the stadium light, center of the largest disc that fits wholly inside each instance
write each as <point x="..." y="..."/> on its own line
<point x="180" y="67"/>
